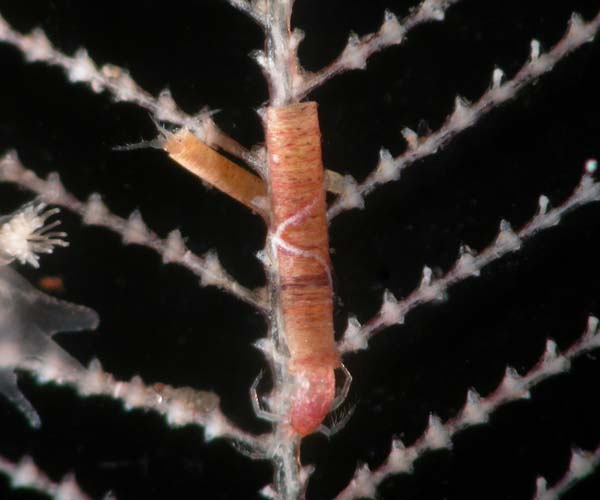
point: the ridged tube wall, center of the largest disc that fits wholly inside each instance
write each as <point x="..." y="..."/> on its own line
<point x="300" y="244"/>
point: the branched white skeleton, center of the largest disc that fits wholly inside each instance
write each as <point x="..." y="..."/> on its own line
<point x="28" y="317"/>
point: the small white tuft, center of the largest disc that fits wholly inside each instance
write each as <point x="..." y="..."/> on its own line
<point x="93" y="380"/>
<point x="37" y="47"/>
<point x="265" y="345"/>
<point x="543" y="203"/>
<point x="25" y="235"/>
<point x="591" y="166"/>
<point x="353" y="338"/>
<point x="411" y="137"/>
<point x="296" y="38"/>
<point x="535" y="51"/>
<point x="391" y="31"/>
<point x="136" y="230"/>
<point x="545" y="217"/>
<point x="82" y="69"/>
<point x="10" y="167"/>
<point x="391" y="311"/>
<point x="5" y="29"/>
<point x="587" y="189"/>
<point x="174" y="248"/>
<point x="123" y="86"/>
<point x="351" y="197"/>
<point x="268" y="492"/>
<point x="354" y="55"/>
<point x="474" y="411"/>
<point x="513" y="385"/>
<point x="429" y="289"/>
<point x="263" y="258"/>
<point x="507" y="240"/>
<point x="577" y="30"/>
<point x="426" y="277"/>
<point x="213" y="272"/>
<point x="387" y="170"/>
<point x="213" y="427"/>
<point x="95" y="212"/>
<point x="68" y="489"/>
<point x="541" y="488"/>
<point x="467" y="263"/>
<point x="463" y="115"/>
<point x="592" y="326"/>
<point x="553" y="361"/>
<point x="25" y="473"/>
<point x="432" y="9"/>
<point x="362" y="483"/>
<point x="581" y="463"/>
<point x="497" y="78"/>
<point x="550" y="352"/>
<point x="260" y="58"/>
<point x="166" y="106"/>
<point x="178" y="414"/>
<point x="436" y="434"/>
<point x="401" y="459"/>
<point x="54" y="190"/>
<point x="134" y="393"/>
<point x="52" y="369"/>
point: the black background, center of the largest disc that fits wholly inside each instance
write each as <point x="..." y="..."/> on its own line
<point x="158" y="323"/>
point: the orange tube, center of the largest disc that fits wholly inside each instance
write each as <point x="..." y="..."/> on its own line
<point x="300" y="241"/>
<point x="215" y="169"/>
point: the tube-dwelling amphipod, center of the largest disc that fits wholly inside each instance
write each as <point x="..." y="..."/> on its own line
<point x="299" y="246"/>
<point x="300" y="242"/>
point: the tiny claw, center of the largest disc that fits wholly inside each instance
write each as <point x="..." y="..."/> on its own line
<point x="343" y="394"/>
<point x="259" y="411"/>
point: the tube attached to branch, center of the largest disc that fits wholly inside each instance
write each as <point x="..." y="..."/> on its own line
<point x="216" y="170"/>
<point x="300" y="244"/>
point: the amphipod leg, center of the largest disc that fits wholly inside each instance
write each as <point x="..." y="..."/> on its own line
<point x="343" y="394"/>
<point x="259" y="411"/>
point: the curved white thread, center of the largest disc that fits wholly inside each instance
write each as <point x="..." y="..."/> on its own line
<point x="278" y="241"/>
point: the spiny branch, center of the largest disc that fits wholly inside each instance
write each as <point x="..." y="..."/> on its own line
<point x="26" y="474"/>
<point x="359" y="49"/>
<point x="133" y="230"/>
<point x="179" y="405"/>
<point x="581" y="465"/>
<point x="253" y="8"/>
<point x="469" y="263"/>
<point x="477" y="410"/>
<point x="117" y="81"/>
<point x="466" y="114"/>
<point x="279" y="60"/>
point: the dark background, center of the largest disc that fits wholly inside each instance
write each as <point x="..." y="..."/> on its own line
<point x="158" y="323"/>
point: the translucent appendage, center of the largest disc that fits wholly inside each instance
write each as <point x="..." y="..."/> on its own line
<point x="28" y="319"/>
<point x="8" y="387"/>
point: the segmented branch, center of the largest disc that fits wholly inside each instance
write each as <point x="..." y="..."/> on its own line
<point x="477" y="410"/>
<point x="253" y="8"/>
<point x="179" y="405"/>
<point x="26" y="474"/>
<point x="359" y="49"/>
<point x="581" y="465"/>
<point x="469" y="263"/>
<point x="466" y="114"/>
<point x="133" y="230"/>
<point x="279" y="60"/>
<point x="117" y="81"/>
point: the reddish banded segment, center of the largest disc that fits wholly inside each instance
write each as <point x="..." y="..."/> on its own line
<point x="312" y="399"/>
